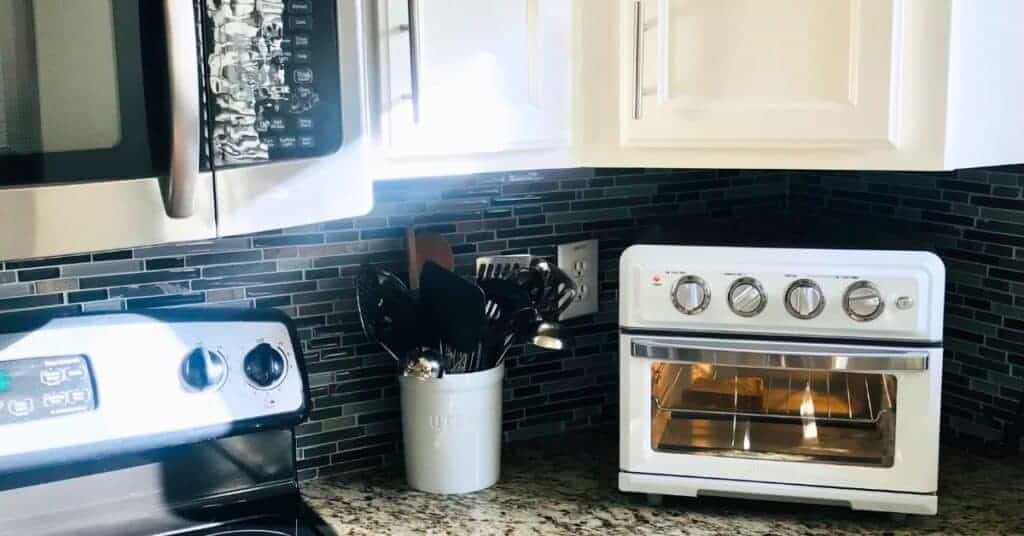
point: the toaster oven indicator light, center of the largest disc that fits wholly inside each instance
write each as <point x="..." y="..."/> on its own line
<point x="5" y="381"/>
<point x="52" y="377"/>
<point x="656" y="280"/>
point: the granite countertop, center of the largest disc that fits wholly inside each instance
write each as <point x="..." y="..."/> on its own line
<point x="569" y="486"/>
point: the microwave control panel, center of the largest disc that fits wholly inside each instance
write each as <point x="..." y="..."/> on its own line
<point x="273" y="80"/>
<point x="40" y="388"/>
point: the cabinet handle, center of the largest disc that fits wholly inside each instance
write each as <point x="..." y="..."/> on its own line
<point x="638" y="59"/>
<point x="414" y="57"/>
<point x="180" y="184"/>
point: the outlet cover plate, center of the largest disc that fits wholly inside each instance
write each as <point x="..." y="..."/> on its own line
<point x="579" y="260"/>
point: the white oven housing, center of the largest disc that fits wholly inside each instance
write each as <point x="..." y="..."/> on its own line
<point x="906" y="346"/>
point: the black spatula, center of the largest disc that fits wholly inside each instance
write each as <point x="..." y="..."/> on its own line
<point x="455" y="308"/>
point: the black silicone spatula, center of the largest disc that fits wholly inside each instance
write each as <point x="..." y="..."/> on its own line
<point x="400" y="308"/>
<point x="455" y="308"/>
<point x="370" y="302"/>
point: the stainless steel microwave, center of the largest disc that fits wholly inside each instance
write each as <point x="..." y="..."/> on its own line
<point x="128" y="122"/>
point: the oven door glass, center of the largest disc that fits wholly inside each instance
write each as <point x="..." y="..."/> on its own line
<point x="823" y="416"/>
<point x="83" y="91"/>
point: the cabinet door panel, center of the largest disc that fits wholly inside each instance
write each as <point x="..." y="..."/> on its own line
<point x="749" y="73"/>
<point x="493" y="75"/>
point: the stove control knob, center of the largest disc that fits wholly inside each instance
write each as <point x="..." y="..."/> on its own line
<point x="863" y="301"/>
<point x="203" y="369"/>
<point x="264" y="366"/>
<point x="691" y="295"/>
<point x="804" y="299"/>
<point x="746" y="297"/>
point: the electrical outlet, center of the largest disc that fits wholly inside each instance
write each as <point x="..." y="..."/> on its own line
<point x="579" y="260"/>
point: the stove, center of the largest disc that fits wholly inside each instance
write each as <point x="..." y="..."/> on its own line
<point x="807" y="375"/>
<point x="155" y="423"/>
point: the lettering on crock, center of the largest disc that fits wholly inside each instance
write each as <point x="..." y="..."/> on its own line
<point x="440" y="422"/>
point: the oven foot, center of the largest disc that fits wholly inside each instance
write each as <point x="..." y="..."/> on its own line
<point x="655" y="499"/>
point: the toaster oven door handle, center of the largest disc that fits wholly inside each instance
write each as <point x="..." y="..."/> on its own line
<point x="778" y="355"/>
<point x="179" y="186"/>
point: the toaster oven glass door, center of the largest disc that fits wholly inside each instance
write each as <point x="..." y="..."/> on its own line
<point x="83" y="91"/>
<point x="802" y="415"/>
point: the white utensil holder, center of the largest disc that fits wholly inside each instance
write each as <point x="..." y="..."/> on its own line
<point x="452" y="431"/>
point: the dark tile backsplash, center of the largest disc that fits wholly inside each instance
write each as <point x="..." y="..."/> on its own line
<point x="973" y="218"/>
<point x="309" y="273"/>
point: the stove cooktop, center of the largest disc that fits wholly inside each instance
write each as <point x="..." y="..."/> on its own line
<point x="285" y="515"/>
<point x="265" y="526"/>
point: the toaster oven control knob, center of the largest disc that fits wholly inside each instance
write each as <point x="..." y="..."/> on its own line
<point x="264" y="366"/>
<point x="863" y="301"/>
<point x="746" y="297"/>
<point x="203" y="369"/>
<point x="804" y="299"/>
<point x="691" y="295"/>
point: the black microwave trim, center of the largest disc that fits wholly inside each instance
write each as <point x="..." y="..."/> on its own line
<point x="319" y="53"/>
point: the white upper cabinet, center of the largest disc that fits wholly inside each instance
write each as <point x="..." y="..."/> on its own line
<point x="467" y="86"/>
<point x="756" y="74"/>
<point x="866" y="84"/>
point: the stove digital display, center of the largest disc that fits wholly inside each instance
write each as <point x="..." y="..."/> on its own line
<point x="40" y="388"/>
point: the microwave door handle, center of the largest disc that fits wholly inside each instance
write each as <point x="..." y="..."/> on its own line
<point x="778" y="356"/>
<point x="179" y="186"/>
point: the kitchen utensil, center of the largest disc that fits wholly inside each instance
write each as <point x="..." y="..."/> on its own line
<point x="456" y="310"/>
<point x="399" y="306"/>
<point x="508" y="302"/>
<point x="370" y="303"/>
<point x="426" y="246"/>
<point x="550" y="336"/>
<point x="556" y="292"/>
<point x="387" y="311"/>
<point x="499" y="353"/>
<point x="511" y="316"/>
<point x="423" y="364"/>
<point x="501" y="266"/>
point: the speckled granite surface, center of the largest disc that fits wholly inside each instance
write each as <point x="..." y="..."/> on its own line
<point x="568" y="486"/>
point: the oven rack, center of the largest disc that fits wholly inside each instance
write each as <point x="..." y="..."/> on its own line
<point x="868" y="415"/>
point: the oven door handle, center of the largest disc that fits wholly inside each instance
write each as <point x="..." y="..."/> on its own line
<point x="778" y="355"/>
<point x="179" y="187"/>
